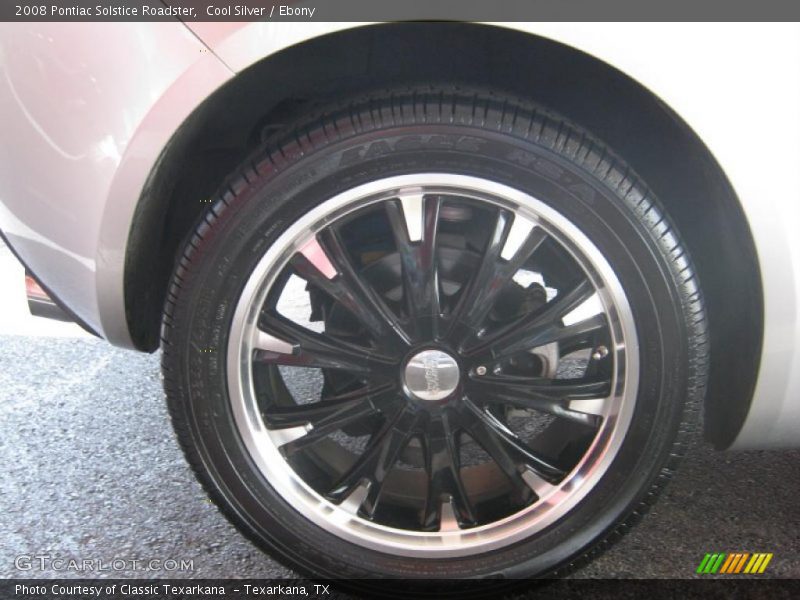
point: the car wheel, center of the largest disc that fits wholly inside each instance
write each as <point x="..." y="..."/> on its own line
<point x="434" y="333"/>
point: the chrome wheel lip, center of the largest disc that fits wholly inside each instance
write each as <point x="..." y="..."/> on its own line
<point x="555" y="501"/>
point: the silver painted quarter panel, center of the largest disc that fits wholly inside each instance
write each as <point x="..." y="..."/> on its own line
<point x="86" y="109"/>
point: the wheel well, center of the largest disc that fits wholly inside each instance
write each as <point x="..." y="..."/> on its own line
<point x="679" y="168"/>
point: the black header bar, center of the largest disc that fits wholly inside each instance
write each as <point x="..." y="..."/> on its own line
<point x="399" y="10"/>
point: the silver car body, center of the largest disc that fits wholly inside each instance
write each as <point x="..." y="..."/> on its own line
<point x="78" y="143"/>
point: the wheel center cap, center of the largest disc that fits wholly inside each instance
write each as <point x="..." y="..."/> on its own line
<point x="431" y="375"/>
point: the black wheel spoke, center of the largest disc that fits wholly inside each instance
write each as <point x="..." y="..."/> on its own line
<point x="377" y="460"/>
<point x="506" y="449"/>
<point x="418" y="263"/>
<point x="329" y="424"/>
<point x="542" y="327"/>
<point x="491" y="277"/>
<point x="321" y="414"/>
<point x="287" y="343"/>
<point x="550" y="396"/>
<point x="349" y="289"/>
<point x="444" y="477"/>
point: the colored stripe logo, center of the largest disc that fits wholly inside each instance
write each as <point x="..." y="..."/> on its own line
<point x="734" y="563"/>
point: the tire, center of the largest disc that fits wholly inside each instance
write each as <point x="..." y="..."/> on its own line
<point x="462" y="161"/>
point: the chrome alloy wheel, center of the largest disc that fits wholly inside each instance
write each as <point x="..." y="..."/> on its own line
<point x="462" y="378"/>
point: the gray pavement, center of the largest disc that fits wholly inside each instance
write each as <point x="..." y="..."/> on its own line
<point x="90" y="470"/>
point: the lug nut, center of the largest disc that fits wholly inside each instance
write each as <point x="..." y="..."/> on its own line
<point x="599" y="352"/>
<point x="481" y="370"/>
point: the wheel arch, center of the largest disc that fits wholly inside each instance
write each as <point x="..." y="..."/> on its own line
<point x="679" y="168"/>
